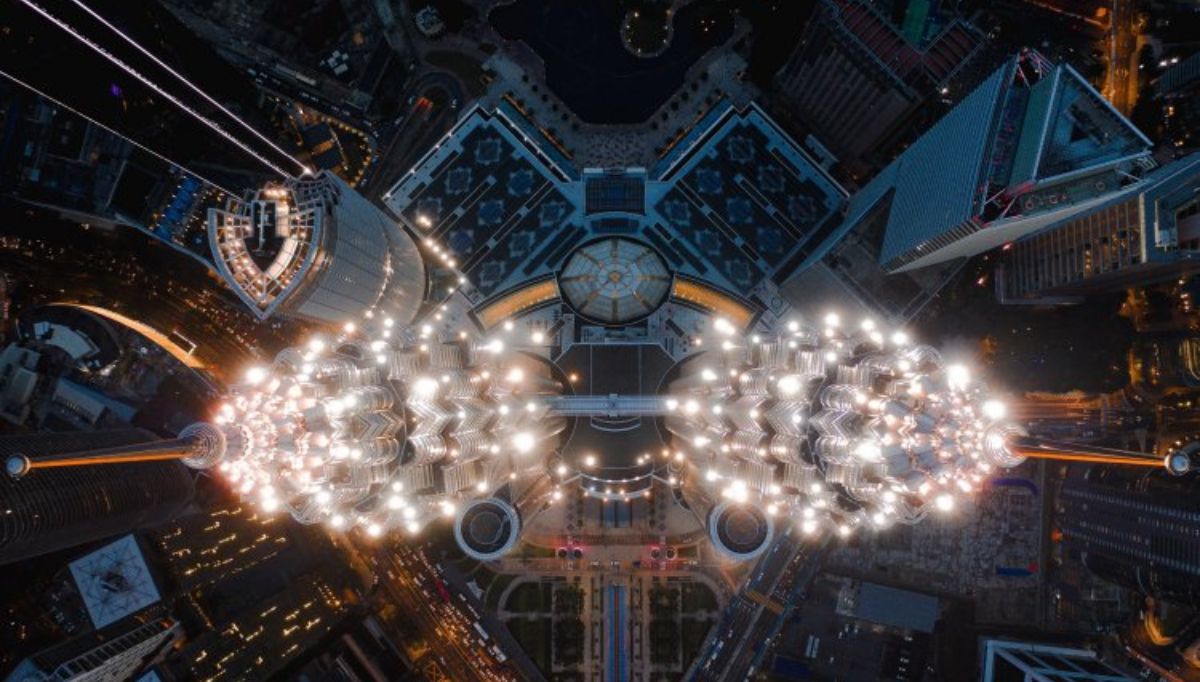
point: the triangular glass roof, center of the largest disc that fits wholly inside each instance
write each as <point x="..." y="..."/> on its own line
<point x="1079" y="130"/>
<point x="114" y="581"/>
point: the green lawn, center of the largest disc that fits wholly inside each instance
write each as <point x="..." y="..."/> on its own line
<point x="526" y="598"/>
<point x="664" y="641"/>
<point x="664" y="599"/>
<point x="466" y="565"/>
<point x="568" y="600"/>
<point x="692" y="634"/>
<point x="568" y="641"/>
<point x="496" y="590"/>
<point x="697" y="597"/>
<point x="484" y="576"/>
<point x="528" y="551"/>
<point x="534" y="637"/>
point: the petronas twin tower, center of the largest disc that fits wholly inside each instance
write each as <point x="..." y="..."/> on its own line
<point x="381" y="428"/>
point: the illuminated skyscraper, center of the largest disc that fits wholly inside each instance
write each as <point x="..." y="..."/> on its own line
<point x="1145" y="234"/>
<point x="65" y="507"/>
<point x="366" y="430"/>
<point x="204" y="548"/>
<point x="1137" y="529"/>
<point x="1089" y="417"/>
<point x="840" y="429"/>
<point x="316" y="249"/>
<point x="843" y="428"/>
<point x="1032" y="146"/>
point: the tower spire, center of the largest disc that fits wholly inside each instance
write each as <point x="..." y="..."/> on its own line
<point x="199" y="445"/>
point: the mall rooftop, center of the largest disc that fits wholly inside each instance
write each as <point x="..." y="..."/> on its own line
<point x="735" y="203"/>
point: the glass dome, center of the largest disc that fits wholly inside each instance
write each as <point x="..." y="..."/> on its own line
<point x="615" y="280"/>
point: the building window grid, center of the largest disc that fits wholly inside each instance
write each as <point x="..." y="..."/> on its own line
<point x="1104" y="241"/>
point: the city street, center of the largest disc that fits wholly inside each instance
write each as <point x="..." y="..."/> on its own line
<point x="1121" y="80"/>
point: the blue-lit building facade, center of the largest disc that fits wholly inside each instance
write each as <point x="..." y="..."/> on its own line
<point x="1032" y="146"/>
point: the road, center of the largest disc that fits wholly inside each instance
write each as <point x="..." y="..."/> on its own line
<point x="516" y="655"/>
<point x="433" y="104"/>
<point x="407" y="577"/>
<point x="753" y="618"/>
<point x="1121" y="81"/>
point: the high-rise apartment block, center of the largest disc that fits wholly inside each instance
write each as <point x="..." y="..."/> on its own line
<point x="1148" y="232"/>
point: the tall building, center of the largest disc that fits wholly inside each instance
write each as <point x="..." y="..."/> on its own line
<point x="201" y="549"/>
<point x="55" y="159"/>
<point x="1082" y="417"/>
<point x="265" y="588"/>
<point x="254" y="636"/>
<point x="58" y="508"/>
<point x="1140" y="530"/>
<point x="114" y="582"/>
<point x="112" y="654"/>
<point x="1033" y="146"/>
<point x="855" y="79"/>
<point x="1005" y="661"/>
<point x="316" y="249"/>
<point x="1148" y="232"/>
<point x="1179" y="90"/>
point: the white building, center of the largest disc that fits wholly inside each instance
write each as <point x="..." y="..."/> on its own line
<point x="1029" y="662"/>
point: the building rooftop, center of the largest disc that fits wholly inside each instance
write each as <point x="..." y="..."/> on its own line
<point x="734" y="204"/>
<point x="886" y="44"/>
<point x="1180" y="75"/>
<point x="1029" y="147"/>
<point x="114" y="581"/>
<point x="1003" y="661"/>
<point x="929" y="178"/>
<point x="897" y="608"/>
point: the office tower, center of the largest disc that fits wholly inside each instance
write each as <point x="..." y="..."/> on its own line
<point x="316" y="249"/>
<point x="266" y="587"/>
<point x="1033" y="146"/>
<point x="112" y="654"/>
<point x="58" y="160"/>
<point x="1149" y="231"/>
<point x="59" y="508"/>
<point x="1136" y="529"/>
<point x="1080" y="416"/>
<point x="1178" y="88"/>
<point x="261" y="622"/>
<point x="114" y="582"/>
<point x="1030" y="662"/>
<point x="201" y="549"/>
<point x="855" y="80"/>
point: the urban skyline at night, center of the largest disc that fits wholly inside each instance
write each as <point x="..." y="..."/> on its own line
<point x="599" y="341"/>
